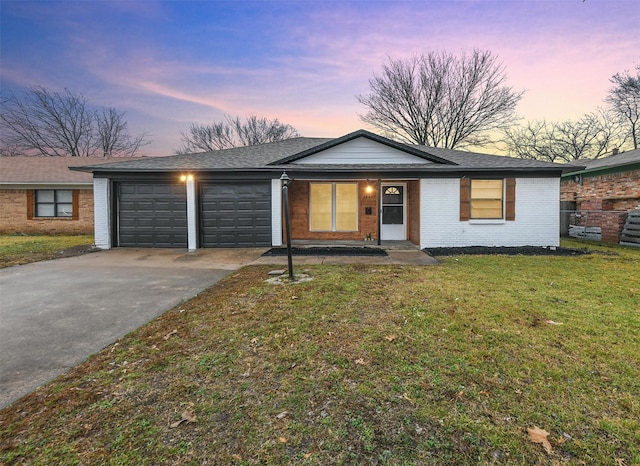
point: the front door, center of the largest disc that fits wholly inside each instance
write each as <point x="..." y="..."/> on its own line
<point x="392" y="223"/>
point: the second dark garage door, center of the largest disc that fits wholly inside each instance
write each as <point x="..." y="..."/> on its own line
<point x="235" y="214"/>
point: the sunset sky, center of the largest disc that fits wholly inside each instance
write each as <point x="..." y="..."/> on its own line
<point x="168" y="63"/>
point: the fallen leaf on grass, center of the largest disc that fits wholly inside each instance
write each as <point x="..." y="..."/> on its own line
<point x="168" y="335"/>
<point x="551" y="322"/>
<point x="390" y="338"/>
<point x="360" y="361"/>
<point x="538" y="435"/>
<point x="282" y="415"/>
<point x="187" y="416"/>
<point x="282" y="440"/>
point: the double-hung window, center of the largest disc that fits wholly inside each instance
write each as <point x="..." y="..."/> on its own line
<point x="333" y="206"/>
<point x="53" y="203"/>
<point x="486" y="199"/>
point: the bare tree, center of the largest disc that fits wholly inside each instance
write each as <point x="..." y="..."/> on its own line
<point x="441" y="100"/>
<point x="113" y="135"/>
<point x="233" y="132"/>
<point x="624" y="100"/>
<point x="62" y="124"/>
<point x="590" y="137"/>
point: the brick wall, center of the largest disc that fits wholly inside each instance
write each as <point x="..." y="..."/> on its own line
<point x="14" y="218"/>
<point x="299" y="208"/>
<point x="413" y="211"/>
<point x="622" y="189"/>
<point x="604" y="200"/>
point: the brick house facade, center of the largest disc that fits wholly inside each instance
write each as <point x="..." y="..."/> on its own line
<point x="41" y="195"/>
<point x="604" y="192"/>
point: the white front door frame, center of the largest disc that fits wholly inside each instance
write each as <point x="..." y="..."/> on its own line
<point x="396" y="231"/>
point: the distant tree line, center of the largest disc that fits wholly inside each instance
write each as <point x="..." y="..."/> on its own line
<point x="234" y="132"/>
<point x="436" y="99"/>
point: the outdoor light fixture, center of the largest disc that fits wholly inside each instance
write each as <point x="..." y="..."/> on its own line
<point x="368" y="189"/>
<point x="188" y="177"/>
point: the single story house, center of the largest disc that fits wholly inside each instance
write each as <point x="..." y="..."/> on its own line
<point x="355" y="187"/>
<point x="41" y="195"/>
<point x="599" y="197"/>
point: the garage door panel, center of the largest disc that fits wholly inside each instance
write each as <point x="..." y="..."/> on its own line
<point x="152" y="215"/>
<point x="235" y="214"/>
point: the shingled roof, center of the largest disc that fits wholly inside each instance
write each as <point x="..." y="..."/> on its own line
<point x="289" y="155"/>
<point x="630" y="159"/>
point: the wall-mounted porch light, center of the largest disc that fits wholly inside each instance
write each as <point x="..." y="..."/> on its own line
<point x="188" y="177"/>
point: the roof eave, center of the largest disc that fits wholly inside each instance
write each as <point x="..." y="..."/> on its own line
<point x="633" y="165"/>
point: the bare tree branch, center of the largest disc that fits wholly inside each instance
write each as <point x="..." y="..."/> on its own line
<point x="113" y="136"/>
<point x="590" y="137"/>
<point x="441" y="100"/>
<point x="624" y="100"/>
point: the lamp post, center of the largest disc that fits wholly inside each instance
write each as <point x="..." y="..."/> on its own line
<point x="285" y="194"/>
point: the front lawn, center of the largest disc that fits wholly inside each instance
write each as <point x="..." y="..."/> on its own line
<point x="22" y="249"/>
<point x="447" y="364"/>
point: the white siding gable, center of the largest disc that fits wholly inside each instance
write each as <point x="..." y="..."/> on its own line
<point x="361" y="151"/>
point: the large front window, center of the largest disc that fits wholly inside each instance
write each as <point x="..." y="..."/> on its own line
<point x="334" y="207"/>
<point x="54" y="203"/>
<point x="486" y="199"/>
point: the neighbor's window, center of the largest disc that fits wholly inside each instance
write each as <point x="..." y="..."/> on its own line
<point x="53" y="203"/>
<point x="333" y="206"/>
<point x="486" y="199"/>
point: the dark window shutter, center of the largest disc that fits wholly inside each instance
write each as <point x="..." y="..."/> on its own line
<point x="75" y="204"/>
<point x="31" y="203"/>
<point x="465" y="199"/>
<point x="510" y="213"/>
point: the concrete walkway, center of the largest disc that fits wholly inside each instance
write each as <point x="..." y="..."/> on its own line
<point x="55" y="314"/>
<point x="394" y="257"/>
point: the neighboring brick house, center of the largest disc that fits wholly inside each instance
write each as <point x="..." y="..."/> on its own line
<point x="40" y="195"/>
<point x="602" y="194"/>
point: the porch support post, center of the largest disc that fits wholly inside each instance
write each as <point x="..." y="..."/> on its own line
<point x="191" y="213"/>
<point x="102" y="212"/>
<point x="379" y="210"/>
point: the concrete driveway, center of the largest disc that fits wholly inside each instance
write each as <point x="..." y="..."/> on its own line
<point x="55" y="314"/>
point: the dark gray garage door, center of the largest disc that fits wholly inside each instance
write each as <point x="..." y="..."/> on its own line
<point x="235" y="214"/>
<point x="152" y="215"/>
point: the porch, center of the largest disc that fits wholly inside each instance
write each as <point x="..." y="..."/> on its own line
<point x="355" y="212"/>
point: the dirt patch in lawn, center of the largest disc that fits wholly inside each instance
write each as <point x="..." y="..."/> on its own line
<point x="507" y="251"/>
<point x="76" y="250"/>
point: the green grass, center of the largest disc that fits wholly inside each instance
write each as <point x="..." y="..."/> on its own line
<point x="447" y="364"/>
<point x="21" y="249"/>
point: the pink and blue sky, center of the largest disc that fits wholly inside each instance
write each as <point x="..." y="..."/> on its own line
<point x="169" y="63"/>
